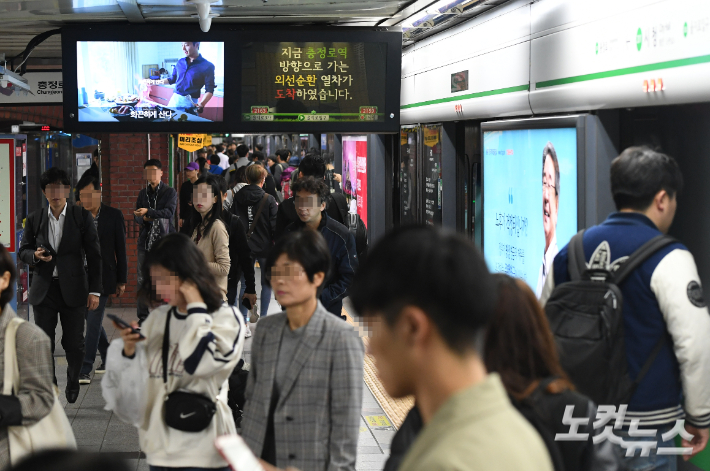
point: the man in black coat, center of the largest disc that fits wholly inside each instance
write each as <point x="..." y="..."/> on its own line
<point x="239" y="254"/>
<point x="56" y="241"/>
<point x="246" y="206"/>
<point x="154" y="214"/>
<point x="336" y="204"/>
<point x="311" y="195"/>
<point x="111" y="228"/>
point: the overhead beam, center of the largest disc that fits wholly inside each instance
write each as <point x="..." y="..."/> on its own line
<point x="406" y="12"/>
<point x="132" y="11"/>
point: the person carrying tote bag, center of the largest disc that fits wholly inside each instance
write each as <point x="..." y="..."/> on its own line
<point x="52" y="431"/>
<point x="31" y="417"/>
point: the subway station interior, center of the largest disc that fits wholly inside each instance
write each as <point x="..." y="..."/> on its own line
<point x="429" y="112"/>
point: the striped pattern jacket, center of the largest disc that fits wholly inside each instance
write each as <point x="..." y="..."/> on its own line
<point x="317" y="416"/>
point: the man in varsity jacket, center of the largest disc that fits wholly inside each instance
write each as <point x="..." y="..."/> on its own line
<point x="662" y="297"/>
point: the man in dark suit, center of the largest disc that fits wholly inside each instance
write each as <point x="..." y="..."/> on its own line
<point x="111" y="227"/>
<point x="55" y="241"/>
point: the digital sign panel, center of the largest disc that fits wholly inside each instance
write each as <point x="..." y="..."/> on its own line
<point x="150" y="81"/>
<point x="529" y="199"/>
<point x="297" y="82"/>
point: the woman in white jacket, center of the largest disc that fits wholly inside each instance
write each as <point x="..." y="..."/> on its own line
<point x="178" y="415"/>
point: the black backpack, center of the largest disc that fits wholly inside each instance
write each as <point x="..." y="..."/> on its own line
<point x="585" y="316"/>
<point x="355" y="225"/>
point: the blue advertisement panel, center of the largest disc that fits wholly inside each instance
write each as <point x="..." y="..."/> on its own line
<point x="529" y="200"/>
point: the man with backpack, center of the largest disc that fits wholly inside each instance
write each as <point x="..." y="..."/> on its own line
<point x="627" y="310"/>
<point x="257" y="210"/>
<point x="239" y="255"/>
<point x="56" y="242"/>
<point x="310" y="197"/>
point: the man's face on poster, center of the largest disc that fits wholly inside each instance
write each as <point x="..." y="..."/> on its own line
<point x="190" y="49"/>
<point x="550" y="200"/>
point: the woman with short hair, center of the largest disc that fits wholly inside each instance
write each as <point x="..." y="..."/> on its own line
<point x="304" y="392"/>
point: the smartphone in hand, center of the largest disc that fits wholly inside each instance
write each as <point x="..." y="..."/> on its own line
<point x="237" y="454"/>
<point x="47" y="250"/>
<point x="124" y="324"/>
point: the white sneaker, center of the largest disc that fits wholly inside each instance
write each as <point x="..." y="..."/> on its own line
<point x="254" y="313"/>
<point x="247" y="333"/>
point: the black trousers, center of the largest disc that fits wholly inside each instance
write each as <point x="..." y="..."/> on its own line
<point x="142" y="309"/>
<point x="72" y="319"/>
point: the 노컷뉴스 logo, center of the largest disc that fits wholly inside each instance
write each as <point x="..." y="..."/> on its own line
<point x="604" y="416"/>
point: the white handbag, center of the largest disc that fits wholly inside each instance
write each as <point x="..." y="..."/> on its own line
<point x="51" y="432"/>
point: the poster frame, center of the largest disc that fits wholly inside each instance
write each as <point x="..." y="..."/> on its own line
<point x="13" y="223"/>
<point x="573" y="121"/>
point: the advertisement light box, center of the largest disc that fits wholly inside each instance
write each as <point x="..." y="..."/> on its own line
<point x="530" y="206"/>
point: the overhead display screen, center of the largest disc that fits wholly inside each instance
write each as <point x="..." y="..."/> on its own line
<point x="295" y="82"/>
<point x="150" y="81"/>
<point x="529" y="200"/>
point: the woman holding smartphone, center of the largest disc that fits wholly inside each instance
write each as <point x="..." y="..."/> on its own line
<point x="304" y="392"/>
<point x="169" y="380"/>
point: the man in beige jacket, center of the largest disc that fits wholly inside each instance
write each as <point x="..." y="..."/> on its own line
<point x="426" y="295"/>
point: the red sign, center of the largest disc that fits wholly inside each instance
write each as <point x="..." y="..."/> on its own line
<point x="361" y="165"/>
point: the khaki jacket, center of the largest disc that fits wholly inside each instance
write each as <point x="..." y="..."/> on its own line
<point x="478" y="429"/>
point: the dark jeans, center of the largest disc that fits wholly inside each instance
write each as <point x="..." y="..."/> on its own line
<point x="142" y="310"/>
<point x="653" y="462"/>
<point x="72" y="319"/>
<point x="95" y="336"/>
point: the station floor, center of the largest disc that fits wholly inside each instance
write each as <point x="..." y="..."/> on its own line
<point x="98" y="430"/>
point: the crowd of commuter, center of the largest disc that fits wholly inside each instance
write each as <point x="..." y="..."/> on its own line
<point x="500" y="378"/>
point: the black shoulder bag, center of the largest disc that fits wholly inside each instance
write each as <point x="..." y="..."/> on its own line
<point x="185" y="411"/>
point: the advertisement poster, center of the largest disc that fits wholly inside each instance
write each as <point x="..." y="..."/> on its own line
<point x="432" y="173"/>
<point x="7" y="195"/>
<point x="408" y="176"/>
<point x="45" y="87"/>
<point x="150" y="81"/>
<point x="355" y="174"/>
<point x="529" y="200"/>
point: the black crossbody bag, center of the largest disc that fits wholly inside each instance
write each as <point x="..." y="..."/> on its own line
<point x="185" y="411"/>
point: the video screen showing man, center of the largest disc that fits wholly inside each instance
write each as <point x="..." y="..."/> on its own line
<point x="550" y="207"/>
<point x="190" y="75"/>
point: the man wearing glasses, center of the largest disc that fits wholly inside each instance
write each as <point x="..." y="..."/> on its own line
<point x="550" y="206"/>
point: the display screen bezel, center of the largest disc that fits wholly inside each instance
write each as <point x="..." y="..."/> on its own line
<point x="233" y="37"/>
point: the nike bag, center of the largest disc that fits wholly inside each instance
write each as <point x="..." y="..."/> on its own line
<point x="51" y="432"/>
